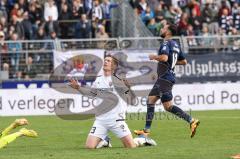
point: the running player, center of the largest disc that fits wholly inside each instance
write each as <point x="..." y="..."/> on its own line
<point x="169" y="55"/>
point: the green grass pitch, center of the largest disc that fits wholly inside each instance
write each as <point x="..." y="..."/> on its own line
<point x="218" y="137"/>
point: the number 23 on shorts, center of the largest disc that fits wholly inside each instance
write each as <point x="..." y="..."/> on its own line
<point x="93" y="130"/>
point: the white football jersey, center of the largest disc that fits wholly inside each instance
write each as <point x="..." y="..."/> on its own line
<point x="118" y="112"/>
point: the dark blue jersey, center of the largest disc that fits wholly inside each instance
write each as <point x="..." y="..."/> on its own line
<point x="166" y="69"/>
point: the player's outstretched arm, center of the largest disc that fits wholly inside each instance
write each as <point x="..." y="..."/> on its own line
<point x="130" y="92"/>
<point x="162" y="58"/>
<point x="88" y="91"/>
<point x="181" y="62"/>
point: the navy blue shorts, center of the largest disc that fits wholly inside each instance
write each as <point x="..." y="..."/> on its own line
<point x="162" y="89"/>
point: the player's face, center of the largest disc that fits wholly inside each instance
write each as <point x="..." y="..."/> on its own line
<point x="108" y="64"/>
<point x="164" y="31"/>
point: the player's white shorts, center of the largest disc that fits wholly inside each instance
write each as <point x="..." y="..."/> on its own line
<point x="100" y="129"/>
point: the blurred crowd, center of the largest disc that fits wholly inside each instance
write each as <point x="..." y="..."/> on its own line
<point x="203" y="18"/>
<point x="46" y="20"/>
<point x="41" y="19"/>
<point x="80" y="19"/>
<point x="192" y="17"/>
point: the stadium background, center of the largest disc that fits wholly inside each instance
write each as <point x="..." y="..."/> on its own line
<point x="35" y="34"/>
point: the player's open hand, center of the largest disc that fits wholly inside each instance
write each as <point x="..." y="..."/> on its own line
<point x="152" y="57"/>
<point x="126" y="83"/>
<point x="74" y="83"/>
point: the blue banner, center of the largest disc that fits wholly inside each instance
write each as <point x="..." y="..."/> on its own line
<point x="209" y="67"/>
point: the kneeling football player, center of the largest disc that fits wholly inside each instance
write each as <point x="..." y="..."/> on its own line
<point x="109" y="118"/>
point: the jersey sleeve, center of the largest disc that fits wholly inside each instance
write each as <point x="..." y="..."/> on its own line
<point x="181" y="55"/>
<point x="164" y="50"/>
